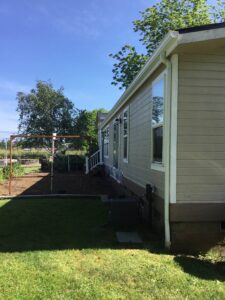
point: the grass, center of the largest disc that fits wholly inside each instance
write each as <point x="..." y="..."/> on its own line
<point x="20" y="153"/>
<point x="35" y="153"/>
<point x="59" y="249"/>
<point x="31" y="169"/>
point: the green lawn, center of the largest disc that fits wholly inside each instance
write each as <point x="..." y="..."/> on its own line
<point x="62" y="249"/>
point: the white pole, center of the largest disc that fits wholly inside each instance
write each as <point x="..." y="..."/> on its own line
<point x="52" y="165"/>
<point x="167" y="134"/>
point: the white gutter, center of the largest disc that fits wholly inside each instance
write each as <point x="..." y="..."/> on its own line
<point x="167" y="45"/>
<point x="167" y="130"/>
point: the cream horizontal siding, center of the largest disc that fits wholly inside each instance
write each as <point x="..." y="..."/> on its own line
<point x="201" y="128"/>
<point x="138" y="168"/>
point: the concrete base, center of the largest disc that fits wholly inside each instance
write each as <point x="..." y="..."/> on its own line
<point x="197" y="237"/>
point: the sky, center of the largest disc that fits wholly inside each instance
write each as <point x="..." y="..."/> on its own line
<point x="67" y="42"/>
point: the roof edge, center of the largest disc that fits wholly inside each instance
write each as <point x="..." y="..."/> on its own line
<point x="202" y="27"/>
<point x="167" y="45"/>
<point x="145" y="72"/>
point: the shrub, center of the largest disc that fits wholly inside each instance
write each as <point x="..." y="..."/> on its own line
<point x="61" y="163"/>
<point x="1" y="175"/>
<point x="17" y="170"/>
<point x="21" y="153"/>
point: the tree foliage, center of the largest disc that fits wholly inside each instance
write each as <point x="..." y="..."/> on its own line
<point x="2" y="144"/>
<point x="45" y="110"/>
<point x="129" y="64"/>
<point x="86" y="127"/>
<point x="153" y="25"/>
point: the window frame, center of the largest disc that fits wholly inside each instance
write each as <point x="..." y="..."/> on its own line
<point x="125" y="160"/>
<point x="157" y="165"/>
<point x="106" y="142"/>
<point x="117" y="121"/>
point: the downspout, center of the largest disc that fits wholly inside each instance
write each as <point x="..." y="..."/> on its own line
<point x="167" y="130"/>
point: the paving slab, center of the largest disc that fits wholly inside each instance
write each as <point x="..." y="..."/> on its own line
<point x="128" y="237"/>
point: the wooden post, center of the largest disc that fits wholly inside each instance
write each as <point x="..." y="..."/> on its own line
<point x="6" y="155"/>
<point x="68" y="163"/>
<point x="10" y="170"/>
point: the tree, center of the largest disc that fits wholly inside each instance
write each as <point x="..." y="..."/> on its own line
<point x="129" y="64"/>
<point x="45" y="110"/>
<point x="2" y="144"/>
<point x="157" y="112"/>
<point x="86" y="126"/>
<point x="153" y="25"/>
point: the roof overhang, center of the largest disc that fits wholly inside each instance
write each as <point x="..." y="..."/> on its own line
<point x="170" y="42"/>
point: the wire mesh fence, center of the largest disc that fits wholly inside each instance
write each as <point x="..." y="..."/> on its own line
<point x="50" y="165"/>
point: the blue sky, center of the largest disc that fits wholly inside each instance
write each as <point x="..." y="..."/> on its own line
<point x="65" y="41"/>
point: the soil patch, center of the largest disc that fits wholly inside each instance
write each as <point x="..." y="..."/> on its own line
<point x="63" y="183"/>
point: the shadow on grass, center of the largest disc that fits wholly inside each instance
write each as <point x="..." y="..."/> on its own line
<point x="53" y="224"/>
<point x="201" y="268"/>
<point x="77" y="223"/>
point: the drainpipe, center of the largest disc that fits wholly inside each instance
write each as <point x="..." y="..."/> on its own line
<point x="168" y="65"/>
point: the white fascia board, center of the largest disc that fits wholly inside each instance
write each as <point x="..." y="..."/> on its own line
<point x="167" y="45"/>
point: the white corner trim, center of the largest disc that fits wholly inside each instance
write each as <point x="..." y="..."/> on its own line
<point x="173" y="137"/>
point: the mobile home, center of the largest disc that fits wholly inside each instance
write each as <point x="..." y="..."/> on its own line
<point x="168" y="130"/>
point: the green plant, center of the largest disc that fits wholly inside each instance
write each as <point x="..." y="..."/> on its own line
<point x="75" y="162"/>
<point x="1" y="175"/>
<point x="154" y="23"/>
<point x="21" y="153"/>
<point x="17" y="170"/>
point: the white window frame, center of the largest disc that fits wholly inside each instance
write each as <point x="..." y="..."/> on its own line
<point x="158" y="166"/>
<point x="125" y="160"/>
<point x="106" y="142"/>
<point x="118" y="121"/>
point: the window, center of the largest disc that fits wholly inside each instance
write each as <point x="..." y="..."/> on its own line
<point x="106" y="141"/>
<point x="158" y="96"/>
<point x="125" y="136"/>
